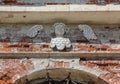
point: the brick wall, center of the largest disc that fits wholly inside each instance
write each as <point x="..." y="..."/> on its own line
<point x="14" y="69"/>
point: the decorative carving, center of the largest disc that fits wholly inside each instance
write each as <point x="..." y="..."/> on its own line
<point x="59" y="29"/>
<point x="87" y="32"/>
<point x="60" y="42"/>
<point x="32" y="32"/>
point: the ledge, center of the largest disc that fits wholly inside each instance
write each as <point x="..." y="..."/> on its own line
<point x="62" y="55"/>
<point x="58" y="8"/>
<point x="69" y="14"/>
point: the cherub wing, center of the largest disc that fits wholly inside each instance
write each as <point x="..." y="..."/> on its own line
<point x="87" y="32"/>
<point x="33" y="31"/>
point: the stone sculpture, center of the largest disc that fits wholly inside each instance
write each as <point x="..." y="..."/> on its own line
<point x="60" y="43"/>
<point x="32" y="32"/>
<point x="87" y="32"/>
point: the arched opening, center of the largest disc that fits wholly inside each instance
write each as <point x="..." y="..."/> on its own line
<point x="76" y="76"/>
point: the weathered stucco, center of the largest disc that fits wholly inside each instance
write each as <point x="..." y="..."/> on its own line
<point x="70" y="14"/>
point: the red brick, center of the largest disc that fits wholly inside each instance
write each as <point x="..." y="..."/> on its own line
<point x="9" y="81"/>
<point x="58" y="64"/>
<point x="66" y="64"/>
<point x="2" y="82"/>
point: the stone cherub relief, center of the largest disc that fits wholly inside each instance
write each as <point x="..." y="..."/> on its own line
<point x="33" y="31"/>
<point x="56" y="35"/>
<point x="59" y="42"/>
<point x="88" y="33"/>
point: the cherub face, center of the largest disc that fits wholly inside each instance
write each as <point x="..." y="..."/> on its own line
<point x="59" y="30"/>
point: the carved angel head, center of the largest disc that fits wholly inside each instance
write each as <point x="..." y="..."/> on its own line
<point x="59" y="29"/>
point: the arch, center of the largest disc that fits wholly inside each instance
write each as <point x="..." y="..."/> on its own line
<point x="61" y="73"/>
